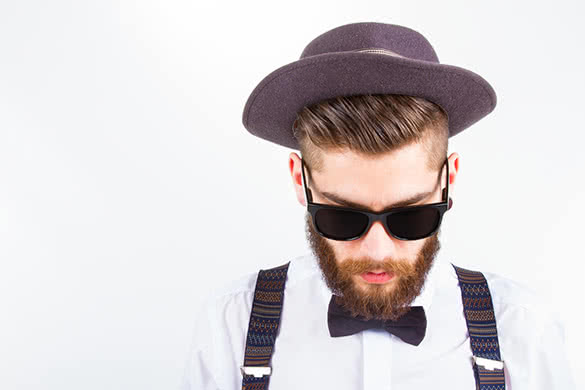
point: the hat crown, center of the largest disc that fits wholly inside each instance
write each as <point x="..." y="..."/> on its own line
<point x="384" y="38"/>
<point x="364" y="58"/>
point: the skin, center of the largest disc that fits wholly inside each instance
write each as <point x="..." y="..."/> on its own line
<point x="378" y="183"/>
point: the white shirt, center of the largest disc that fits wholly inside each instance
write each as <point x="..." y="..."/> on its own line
<point x="306" y="356"/>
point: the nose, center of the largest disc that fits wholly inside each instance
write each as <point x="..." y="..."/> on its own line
<point x="377" y="243"/>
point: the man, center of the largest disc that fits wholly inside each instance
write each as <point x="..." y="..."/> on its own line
<point x="374" y="305"/>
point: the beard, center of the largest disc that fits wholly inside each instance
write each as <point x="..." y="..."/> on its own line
<point x="385" y="301"/>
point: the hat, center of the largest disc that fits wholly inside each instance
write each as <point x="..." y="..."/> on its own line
<point x="364" y="58"/>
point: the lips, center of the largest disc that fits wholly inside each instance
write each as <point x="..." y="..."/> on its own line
<point x="377" y="277"/>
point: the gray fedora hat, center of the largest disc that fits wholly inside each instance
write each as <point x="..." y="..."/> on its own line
<point x="364" y="58"/>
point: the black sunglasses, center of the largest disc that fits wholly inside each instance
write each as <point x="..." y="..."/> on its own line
<point x="403" y="223"/>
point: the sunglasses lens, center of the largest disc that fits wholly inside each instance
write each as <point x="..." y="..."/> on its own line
<point x="414" y="224"/>
<point x="340" y="224"/>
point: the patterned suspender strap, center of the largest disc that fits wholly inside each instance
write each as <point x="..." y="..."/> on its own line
<point x="263" y="327"/>
<point x="488" y="369"/>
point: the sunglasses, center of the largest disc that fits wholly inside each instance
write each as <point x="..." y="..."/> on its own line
<point x="403" y="223"/>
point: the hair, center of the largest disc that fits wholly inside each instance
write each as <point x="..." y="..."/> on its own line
<point x="370" y="125"/>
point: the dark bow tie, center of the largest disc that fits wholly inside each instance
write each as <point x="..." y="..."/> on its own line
<point x="411" y="327"/>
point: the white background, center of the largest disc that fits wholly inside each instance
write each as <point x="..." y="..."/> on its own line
<point x="129" y="186"/>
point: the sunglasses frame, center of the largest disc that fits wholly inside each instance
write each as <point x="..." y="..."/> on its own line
<point x="442" y="207"/>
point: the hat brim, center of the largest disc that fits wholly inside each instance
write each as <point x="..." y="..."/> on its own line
<point x="272" y="106"/>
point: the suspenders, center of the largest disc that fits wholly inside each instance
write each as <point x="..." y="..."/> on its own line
<point x="263" y="327"/>
<point x="481" y="326"/>
<point x="267" y="306"/>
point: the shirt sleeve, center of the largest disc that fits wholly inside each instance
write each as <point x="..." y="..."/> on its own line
<point x="549" y="366"/>
<point x="199" y="369"/>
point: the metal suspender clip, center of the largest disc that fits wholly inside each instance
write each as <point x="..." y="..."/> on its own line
<point x="257" y="371"/>
<point x="488" y="364"/>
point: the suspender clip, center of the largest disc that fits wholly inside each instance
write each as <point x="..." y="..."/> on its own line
<point x="257" y="371"/>
<point x="488" y="364"/>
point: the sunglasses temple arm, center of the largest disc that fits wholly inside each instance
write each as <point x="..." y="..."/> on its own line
<point x="445" y="195"/>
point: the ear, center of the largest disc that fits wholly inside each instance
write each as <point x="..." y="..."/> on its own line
<point x="294" y="165"/>
<point x="453" y="170"/>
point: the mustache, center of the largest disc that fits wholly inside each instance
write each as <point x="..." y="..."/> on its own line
<point x="359" y="266"/>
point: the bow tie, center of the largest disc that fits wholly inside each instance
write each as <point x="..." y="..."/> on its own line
<point x="410" y="328"/>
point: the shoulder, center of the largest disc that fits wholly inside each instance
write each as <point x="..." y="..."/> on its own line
<point x="520" y="306"/>
<point x="516" y="303"/>
<point x="531" y="332"/>
<point x="224" y="317"/>
<point x="512" y="292"/>
<point x="227" y="308"/>
<point x="299" y="268"/>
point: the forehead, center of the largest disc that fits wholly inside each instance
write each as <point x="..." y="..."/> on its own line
<point x="376" y="181"/>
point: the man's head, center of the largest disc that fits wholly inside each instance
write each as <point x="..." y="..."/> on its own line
<point x="373" y="151"/>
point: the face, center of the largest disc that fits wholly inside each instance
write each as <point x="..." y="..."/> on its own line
<point x="384" y="300"/>
<point x="375" y="184"/>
